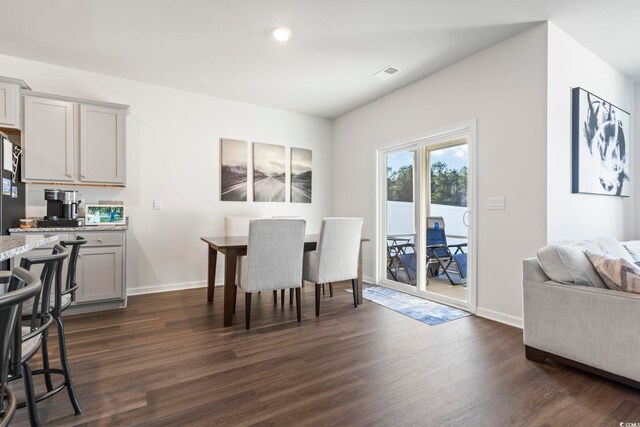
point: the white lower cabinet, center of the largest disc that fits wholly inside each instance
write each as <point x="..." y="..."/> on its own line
<point x="100" y="270"/>
<point x="99" y="274"/>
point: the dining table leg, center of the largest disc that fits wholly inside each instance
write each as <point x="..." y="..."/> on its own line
<point x="211" y="277"/>
<point x="230" y="262"/>
<point x="359" y="281"/>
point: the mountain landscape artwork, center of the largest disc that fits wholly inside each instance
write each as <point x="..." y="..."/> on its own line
<point x="268" y="173"/>
<point x="233" y="170"/>
<point x="300" y="175"/>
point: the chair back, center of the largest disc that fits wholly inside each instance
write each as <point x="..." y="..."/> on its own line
<point x="24" y="285"/>
<point x="274" y="254"/>
<point x="70" y="284"/>
<point x="236" y="226"/>
<point x="51" y="270"/>
<point x="338" y="249"/>
<point x="436" y="235"/>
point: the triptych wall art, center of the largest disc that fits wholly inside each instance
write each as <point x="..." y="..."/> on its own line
<point x="600" y="153"/>
<point x="269" y="172"/>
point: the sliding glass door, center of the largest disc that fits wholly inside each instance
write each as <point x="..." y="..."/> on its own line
<point x="425" y="241"/>
<point x="400" y="209"/>
<point x="447" y="209"/>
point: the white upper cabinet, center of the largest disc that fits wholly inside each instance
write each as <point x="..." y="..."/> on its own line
<point x="68" y="140"/>
<point x="49" y="139"/>
<point x="10" y="102"/>
<point x="102" y="145"/>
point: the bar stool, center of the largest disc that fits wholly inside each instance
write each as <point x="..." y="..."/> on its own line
<point x="63" y="297"/>
<point x="67" y="295"/>
<point x="29" y="339"/>
<point x="22" y="286"/>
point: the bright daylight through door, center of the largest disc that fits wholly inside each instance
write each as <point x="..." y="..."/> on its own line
<point x="442" y="172"/>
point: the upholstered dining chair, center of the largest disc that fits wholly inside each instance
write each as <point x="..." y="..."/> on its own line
<point x="23" y="286"/>
<point x="273" y="260"/>
<point x="238" y="226"/>
<point x="336" y="256"/>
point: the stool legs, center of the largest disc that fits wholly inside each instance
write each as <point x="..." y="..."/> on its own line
<point x="45" y="360"/>
<point x="65" y="367"/>
<point x="30" y="395"/>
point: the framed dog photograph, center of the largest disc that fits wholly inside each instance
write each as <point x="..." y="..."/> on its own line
<point x="600" y="146"/>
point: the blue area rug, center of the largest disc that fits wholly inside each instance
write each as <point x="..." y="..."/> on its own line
<point x="420" y="309"/>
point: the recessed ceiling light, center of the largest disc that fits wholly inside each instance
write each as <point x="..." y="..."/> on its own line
<point x="282" y="34"/>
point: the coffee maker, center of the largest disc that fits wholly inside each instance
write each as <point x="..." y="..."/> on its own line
<point x="62" y="209"/>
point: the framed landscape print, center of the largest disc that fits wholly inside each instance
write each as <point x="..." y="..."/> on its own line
<point x="300" y="175"/>
<point x="600" y="138"/>
<point x="268" y="173"/>
<point x="233" y="170"/>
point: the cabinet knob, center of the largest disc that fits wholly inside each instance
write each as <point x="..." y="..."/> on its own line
<point x="83" y="175"/>
<point x="99" y="240"/>
<point x="69" y="175"/>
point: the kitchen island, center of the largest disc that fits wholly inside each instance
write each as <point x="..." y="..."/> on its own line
<point x="12" y="246"/>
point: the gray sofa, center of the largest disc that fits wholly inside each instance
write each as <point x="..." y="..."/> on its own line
<point x="571" y="316"/>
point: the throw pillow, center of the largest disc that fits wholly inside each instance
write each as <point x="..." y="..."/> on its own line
<point x="617" y="273"/>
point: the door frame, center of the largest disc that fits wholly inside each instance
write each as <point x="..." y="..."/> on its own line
<point x="467" y="130"/>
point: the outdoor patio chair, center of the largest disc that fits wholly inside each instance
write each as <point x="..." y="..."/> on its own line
<point x="408" y="262"/>
<point x="440" y="255"/>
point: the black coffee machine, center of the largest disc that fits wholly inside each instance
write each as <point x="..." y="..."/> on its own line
<point x="62" y="209"/>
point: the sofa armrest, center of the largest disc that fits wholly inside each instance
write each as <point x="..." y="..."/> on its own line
<point x="596" y="327"/>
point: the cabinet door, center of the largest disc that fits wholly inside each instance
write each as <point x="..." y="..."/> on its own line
<point x="102" y="146"/>
<point x="48" y="140"/>
<point x="8" y="113"/>
<point x="99" y="274"/>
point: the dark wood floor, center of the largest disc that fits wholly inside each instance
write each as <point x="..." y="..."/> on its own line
<point x="166" y="360"/>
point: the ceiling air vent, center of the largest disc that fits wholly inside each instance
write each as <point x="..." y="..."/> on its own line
<point x="387" y="73"/>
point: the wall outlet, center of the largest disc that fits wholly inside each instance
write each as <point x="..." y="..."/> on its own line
<point x="495" y="203"/>
<point x="157" y="204"/>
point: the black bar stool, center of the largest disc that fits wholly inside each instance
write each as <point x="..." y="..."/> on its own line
<point x="29" y="339"/>
<point x="23" y="285"/>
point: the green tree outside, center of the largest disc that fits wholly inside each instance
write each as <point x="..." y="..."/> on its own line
<point x="448" y="186"/>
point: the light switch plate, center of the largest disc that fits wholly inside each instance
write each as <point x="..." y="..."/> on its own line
<point x="157" y="204"/>
<point x="495" y="203"/>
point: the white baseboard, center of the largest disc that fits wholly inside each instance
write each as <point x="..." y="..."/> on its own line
<point x="497" y="316"/>
<point x="168" y="287"/>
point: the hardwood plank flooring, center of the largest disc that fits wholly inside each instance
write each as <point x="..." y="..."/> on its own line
<point x="166" y="360"/>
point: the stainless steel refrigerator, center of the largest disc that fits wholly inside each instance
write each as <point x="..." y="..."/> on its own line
<point x="12" y="200"/>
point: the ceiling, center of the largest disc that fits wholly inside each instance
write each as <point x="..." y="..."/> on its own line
<point x="224" y="49"/>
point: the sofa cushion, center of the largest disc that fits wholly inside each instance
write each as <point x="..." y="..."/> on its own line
<point x="617" y="273"/>
<point x="633" y="247"/>
<point x="567" y="263"/>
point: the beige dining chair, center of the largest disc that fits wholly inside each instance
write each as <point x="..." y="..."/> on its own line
<point x="336" y="256"/>
<point x="273" y="260"/>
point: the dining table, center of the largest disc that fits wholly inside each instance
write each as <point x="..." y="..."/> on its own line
<point x="234" y="247"/>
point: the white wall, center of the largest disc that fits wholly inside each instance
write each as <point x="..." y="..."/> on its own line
<point x="173" y="155"/>
<point x="636" y="158"/>
<point x="580" y="216"/>
<point x="504" y="88"/>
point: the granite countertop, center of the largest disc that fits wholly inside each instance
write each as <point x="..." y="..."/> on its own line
<point x="69" y="229"/>
<point x="11" y="246"/>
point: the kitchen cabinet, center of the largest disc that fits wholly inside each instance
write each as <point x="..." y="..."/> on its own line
<point x="49" y="139"/>
<point x="100" y="270"/>
<point x="102" y="144"/>
<point x="10" y="102"/>
<point x="73" y="141"/>
<point x="99" y="274"/>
